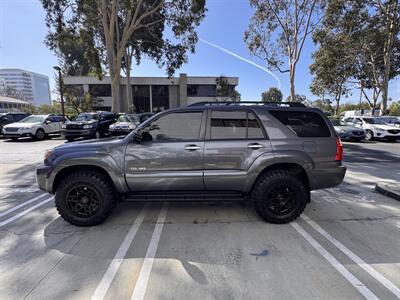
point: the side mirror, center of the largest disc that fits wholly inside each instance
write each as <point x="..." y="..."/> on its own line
<point x="138" y="135"/>
<point x="47" y="122"/>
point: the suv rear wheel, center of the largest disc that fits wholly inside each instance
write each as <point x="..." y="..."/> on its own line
<point x="279" y="197"/>
<point x="85" y="198"/>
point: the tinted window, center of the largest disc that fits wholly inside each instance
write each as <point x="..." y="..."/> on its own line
<point x="227" y="125"/>
<point x="254" y="130"/>
<point x="201" y="90"/>
<point x="303" y="124"/>
<point x="100" y="90"/>
<point x="7" y="119"/>
<point x="174" y="127"/>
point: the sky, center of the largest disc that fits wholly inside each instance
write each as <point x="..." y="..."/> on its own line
<point x="23" y="31"/>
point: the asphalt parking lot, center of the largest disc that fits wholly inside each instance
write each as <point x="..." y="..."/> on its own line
<point x="345" y="245"/>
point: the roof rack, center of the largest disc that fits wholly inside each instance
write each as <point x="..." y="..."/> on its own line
<point x="274" y="104"/>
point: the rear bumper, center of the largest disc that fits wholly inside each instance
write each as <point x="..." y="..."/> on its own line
<point x="326" y="178"/>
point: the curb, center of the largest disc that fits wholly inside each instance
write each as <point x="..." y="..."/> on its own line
<point x="387" y="191"/>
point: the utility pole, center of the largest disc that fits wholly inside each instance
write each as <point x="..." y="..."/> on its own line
<point x="61" y="91"/>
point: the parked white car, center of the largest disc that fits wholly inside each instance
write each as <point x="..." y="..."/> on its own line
<point x="36" y="126"/>
<point x="374" y="128"/>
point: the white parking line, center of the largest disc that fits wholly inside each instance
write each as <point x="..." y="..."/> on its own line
<point x="143" y="279"/>
<point x="17" y="216"/>
<point x="358" y="260"/>
<point x="109" y="275"/>
<point x="336" y="264"/>
<point x="2" y="214"/>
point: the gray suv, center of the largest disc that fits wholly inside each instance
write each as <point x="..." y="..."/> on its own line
<point x="270" y="154"/>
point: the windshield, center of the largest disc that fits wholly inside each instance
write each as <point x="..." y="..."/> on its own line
<point x="86" y="117"/>
<point x="374" y="121"/>
<point x="33" y="119"/>
<point x="126" y="118"/>
<point x="336" y="122"/>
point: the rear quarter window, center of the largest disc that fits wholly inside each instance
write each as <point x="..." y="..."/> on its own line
<point x="303" y="123"/>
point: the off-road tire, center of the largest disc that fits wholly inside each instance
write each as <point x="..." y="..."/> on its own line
<point x="40" y="134"/>
<point x="265" y="185"/>
<point x="95" y="181"/>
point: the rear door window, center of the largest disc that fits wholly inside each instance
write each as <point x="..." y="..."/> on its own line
<point x="239" y="124"/>
<point x="303" y="124"/>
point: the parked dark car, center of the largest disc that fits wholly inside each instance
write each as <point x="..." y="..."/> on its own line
<point x="8" y="118"/>
<point x="347" y="132"/>
<point x="270" y="154"/>
<point x="88" y="125"/>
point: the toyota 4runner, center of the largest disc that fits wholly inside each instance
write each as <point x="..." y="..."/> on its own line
<point x="270" y="154"/>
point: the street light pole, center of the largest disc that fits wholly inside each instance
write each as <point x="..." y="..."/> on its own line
<point x="61" y="91"/>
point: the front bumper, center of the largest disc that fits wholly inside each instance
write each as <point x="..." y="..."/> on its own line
<point x="351" y="136"/>
<point x="17" y="135"/>
<point x="119" y="131"/>
<point x="42" y="178"/>
<point x="385" y="135"/>
<point x="78" y="132"/>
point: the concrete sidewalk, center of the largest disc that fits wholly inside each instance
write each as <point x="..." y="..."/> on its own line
<point x="388" y="189"/>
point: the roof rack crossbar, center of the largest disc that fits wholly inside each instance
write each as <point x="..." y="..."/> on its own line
<point x="277" y="104"/>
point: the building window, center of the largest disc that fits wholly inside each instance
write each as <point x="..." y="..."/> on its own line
<point x="201" y="90"/>
<point x="160" y="97"/>
<point x="141" y="98"/>
<point x="100" y="90"/>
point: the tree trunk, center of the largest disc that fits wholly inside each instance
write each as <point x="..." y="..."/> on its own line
<point x="292" y="88"/>
<point x="115" y="88"/>
<point x="129" y="100"/>
<point x="391" y="13"/>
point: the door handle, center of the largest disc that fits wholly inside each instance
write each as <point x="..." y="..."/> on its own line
<point x="192" y="147"/>
<point x="255" y="146"/>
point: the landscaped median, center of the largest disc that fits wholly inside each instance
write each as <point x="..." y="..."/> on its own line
<point x="389" y="189"/>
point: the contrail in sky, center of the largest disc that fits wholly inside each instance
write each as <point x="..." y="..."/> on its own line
<point x="242" y="58"/>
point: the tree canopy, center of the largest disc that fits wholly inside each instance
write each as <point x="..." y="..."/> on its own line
<point x="272" y="95"/>
<point x="278" y="30"/>
<point x="160" y="29"/>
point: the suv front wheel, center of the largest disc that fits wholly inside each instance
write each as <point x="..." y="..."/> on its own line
<point x="85" y="198"/>
<point x="279" y="197"/>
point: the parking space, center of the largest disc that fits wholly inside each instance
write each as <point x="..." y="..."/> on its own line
<point x="345" y="245"/>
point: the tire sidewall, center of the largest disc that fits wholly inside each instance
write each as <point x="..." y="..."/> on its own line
<point x="369" y="135"/>
<point x="105" y="200"/>
<point x="37" y="136"/>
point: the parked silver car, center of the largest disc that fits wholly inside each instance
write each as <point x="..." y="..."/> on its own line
<point x="125" y="124"/>
<point x="348" y="132"/>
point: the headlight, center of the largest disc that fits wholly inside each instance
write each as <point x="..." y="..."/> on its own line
<point x="379" y="129"/>
<point x="132" y="126"/>
<point x="88" y="126"/>
<point x="112" y="126"/>
<point x="47" y="154"/>
<point x="64" y="126"/>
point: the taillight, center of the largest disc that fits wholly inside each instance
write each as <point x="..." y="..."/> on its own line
<point x="339" y="150"/>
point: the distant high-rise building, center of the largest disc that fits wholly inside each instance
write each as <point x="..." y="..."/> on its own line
<point x="33" y="87"/>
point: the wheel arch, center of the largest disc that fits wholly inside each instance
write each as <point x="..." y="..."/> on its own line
<point x="64" y="172"/>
